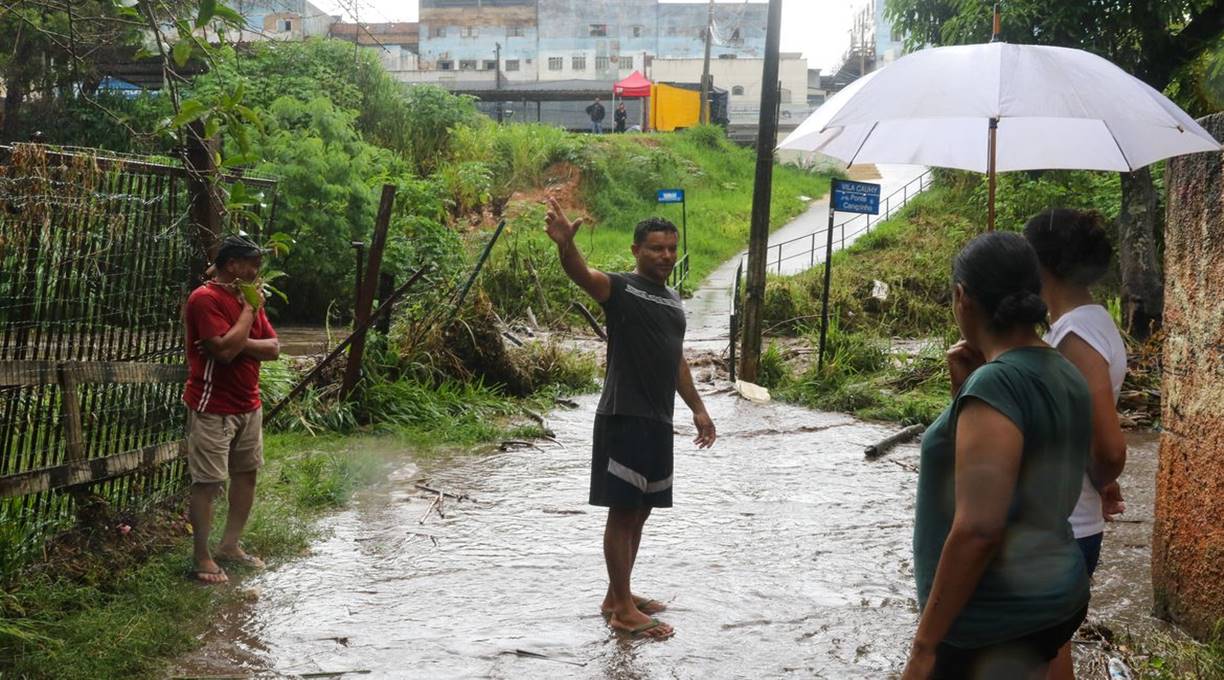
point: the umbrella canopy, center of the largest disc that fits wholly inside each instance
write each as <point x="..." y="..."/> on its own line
<point x="1054" y="107"/>
<point x="635" y="85"/>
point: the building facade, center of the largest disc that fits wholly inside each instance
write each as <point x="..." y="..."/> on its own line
<point x="282" y="20"/>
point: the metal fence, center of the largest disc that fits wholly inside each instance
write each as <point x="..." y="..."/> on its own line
<point x="96" y="255"/>
<point x="808" y="245"/>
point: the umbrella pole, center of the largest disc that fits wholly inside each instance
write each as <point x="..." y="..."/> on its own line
<point x="990" y="171"/>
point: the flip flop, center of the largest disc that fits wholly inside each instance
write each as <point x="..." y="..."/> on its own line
<point x="245" y="560"/>
<point x="642" y="603"/>
<point x="642" y="629"/>
<point x="198" y="574"/>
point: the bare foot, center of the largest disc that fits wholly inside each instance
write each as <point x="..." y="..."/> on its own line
<point x="236" y="555"/>
<point x="638" y="624"/>
<point x="209" y="573"/>
<point x="644" y="605"/>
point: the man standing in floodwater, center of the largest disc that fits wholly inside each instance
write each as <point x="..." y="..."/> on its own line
<point x="631" y="465"/>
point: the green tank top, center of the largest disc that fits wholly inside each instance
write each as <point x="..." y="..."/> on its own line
<point x="1038" y="578"/>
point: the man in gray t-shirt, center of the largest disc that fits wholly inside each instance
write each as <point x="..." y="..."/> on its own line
<point x="631" y="462"/>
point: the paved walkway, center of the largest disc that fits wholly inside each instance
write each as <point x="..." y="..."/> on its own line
<point x="710" y="307"/>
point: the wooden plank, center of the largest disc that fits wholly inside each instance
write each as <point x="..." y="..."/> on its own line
<point x="93" y="470"/>
<point x="90" y="372"/>
<point x="365" y="296"/>
<point x="70" y="407"/>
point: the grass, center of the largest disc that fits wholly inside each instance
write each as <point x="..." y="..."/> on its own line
<point x="617" y="180"/>
<point x="100" y="610"/>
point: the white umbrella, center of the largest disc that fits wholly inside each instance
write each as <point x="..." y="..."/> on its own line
<point x="998" y="107"/>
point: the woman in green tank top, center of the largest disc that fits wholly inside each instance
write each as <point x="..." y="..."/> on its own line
<point x="1001" y="581"/>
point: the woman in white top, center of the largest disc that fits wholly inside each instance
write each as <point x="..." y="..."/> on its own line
<point x="1074" y="252"/>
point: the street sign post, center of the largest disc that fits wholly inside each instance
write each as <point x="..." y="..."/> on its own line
<point x="677" y="196"/>
<point x="846" y="196"/>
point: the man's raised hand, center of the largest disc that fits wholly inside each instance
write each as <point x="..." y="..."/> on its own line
<point x="558" y="226"/>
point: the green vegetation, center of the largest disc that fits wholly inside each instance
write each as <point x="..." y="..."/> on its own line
<point x="111" y="605"/>
<point x="884" y="357"/>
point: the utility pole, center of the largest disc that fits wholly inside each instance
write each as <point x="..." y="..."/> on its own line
<point x="705" y="69"/>
<point x="497" y="84"/>
<point x="758" y="236"/>
<point x="862" y="42"/>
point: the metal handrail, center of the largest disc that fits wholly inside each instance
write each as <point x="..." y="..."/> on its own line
<point x="680" y="273"/>
<point x="890" y="209"/>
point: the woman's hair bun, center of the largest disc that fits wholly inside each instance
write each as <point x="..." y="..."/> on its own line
<point x="1020" y="307"/>
<point x="1072" y="245"/>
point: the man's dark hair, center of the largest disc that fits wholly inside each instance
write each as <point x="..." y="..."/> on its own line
<point x="652" y="224"/>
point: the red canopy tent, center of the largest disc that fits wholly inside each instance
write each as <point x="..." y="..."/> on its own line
<point x="635" y="86"/>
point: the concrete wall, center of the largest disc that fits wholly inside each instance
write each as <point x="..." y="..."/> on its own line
<point x="682" y="27"/>
<point x="455" y="31"/>
<point x="746" y="73"/>
<point x="266" y="19"/>
<point x="1188" y="537"/>
<point x="566" y="32"/>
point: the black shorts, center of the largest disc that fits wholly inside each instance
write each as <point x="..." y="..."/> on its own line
<point x="631" y="463"/>
<point x="1005" y="660"/>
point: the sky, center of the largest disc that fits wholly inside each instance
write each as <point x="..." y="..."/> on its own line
<point x="820" y="29"/>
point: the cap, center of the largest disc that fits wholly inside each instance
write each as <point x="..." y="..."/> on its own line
<point x="236" y="246"/>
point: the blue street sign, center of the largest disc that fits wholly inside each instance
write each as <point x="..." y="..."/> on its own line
<point x="856" y="197"/>
<point x="671" y="195"/>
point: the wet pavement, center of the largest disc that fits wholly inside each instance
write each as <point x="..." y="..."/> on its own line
<point x="710" y="306"/>
<point x="787" y="555"/>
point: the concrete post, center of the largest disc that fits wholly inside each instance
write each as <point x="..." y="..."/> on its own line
<point x="1188" y="536"/>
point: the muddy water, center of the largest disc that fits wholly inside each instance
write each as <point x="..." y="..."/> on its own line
<point x="786" y="554"/>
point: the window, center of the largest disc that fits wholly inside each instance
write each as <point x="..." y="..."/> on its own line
<point x="467" y="64"/>
<point x="555" y="63"/>
<point x="515" y="32"/>
<point x="737" y="90"/>
<point x="490" y="65"/>
<point x="437" y="32"/>
<point x="578" y="63"/>
<point x="601" y="63"/>
<point x="626" y="62"/>
<point x="512" y="64"/>
<point x="599" y="30"/>
<point x="637" y="31"/>
<point x="286" y="25"/>
<point x="446" y="65"/>
<point x="469" y="32"/>
<point x="647" y="60"/>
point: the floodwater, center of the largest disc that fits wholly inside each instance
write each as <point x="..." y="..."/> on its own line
<point x="787" y="555"/>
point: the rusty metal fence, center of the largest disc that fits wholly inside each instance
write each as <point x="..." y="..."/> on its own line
<point x="96" y="260"/>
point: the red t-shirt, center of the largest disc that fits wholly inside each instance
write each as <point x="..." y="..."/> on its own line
<point x="214" y="387"/>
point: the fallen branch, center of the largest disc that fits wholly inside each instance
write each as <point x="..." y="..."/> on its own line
<point x="537" y="655"/>
<point x="886" y="445"/>
<point x="590" y="319"/>
<point x="437" y="501"/>
<point x="430" y="489"/>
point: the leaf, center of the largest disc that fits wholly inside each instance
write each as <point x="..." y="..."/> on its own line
<point x="182" y="52"/>
<point x="229" y="16"/>
<point x="207" y="9"/>
<point x="249" y="115"/>
<point x="190" y="110"/>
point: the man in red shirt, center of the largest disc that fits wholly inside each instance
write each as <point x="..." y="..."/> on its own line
<point x="227" y="338"/>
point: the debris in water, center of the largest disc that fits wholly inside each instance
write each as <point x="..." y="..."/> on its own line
<point x="332" y="674"/>
<point x="436" y="503"/>
<point x="752" y="392"/>
<point x="883" y="447"/>
<point x="430" y="489"/>
<point x="537" y="655"/>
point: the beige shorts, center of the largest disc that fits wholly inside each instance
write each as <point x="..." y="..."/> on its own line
<point x="219" y="444"/>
